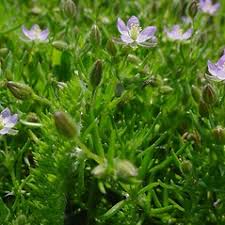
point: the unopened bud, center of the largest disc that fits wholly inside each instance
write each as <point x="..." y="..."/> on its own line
<point x="60" y="45"/>
<point x="133" y="59"/>
<point x="19" y="90"/>
<point x="209" y="94"/>
<point x="32" y="117"/>
<point x="193" y="137"/>
<point x="119" y="89"/>
<point x="65" y="124"/>
<point x="203" y="109"/>
<point x="95" y="35"/>
<point x="69" y="8"/>
<point x="21" y="220"/>
<point x="96" y="74"/>
<point x="100" y="170"/>
<point x="166" y="89"/>
<point x="125" y="169"/>
<point x="192" y="9"/>
<point x="196" y="94"/>
<point x="152" y="81"/>
<point x="186" y="167"/>
<point x="111" y="48"/>
<point x="219" y="135"/>
<point x="4" y="51"/>
<point x="36" y="10"/>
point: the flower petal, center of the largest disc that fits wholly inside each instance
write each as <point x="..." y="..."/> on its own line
<point x="174" y="33"/>
<point x="44" y="35"/>
<point x="215" y="8"/>
<point x="10" y="121"/>
<point x="171" y="34"/>
<point x="133" y="21"/>
<point x="187" y="34"/>
<point x="221" y="61"/>
<point x="201" y="3"/>
<point x="5" y="130"/>
<point x="122" y="28"/>
<point x="126" y="39"/>
<point x="28" y="33"/>
<point x="5" y="113"/>
<point x="207" y="6"/>
<point x="216" y="71"/>
<point x="146" y="34"/>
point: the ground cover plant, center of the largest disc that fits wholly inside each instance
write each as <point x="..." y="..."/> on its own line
<point x="112" y="112"/>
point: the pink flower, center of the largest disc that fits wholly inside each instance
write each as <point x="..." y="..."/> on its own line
<point x="207" y="6"/>
<point x="176" y="33"/>
<point x="35" y="33"/>
<point x="217" y="70"/>
<point x="132" y="34"/>
<point x="7" y="122"/>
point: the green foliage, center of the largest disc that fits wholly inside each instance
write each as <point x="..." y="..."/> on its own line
<point x="149" y="140"/>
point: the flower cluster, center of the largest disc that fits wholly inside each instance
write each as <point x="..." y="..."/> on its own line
<point x="132" y="34"/>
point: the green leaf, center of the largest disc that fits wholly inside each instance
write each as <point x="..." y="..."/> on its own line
<point x="4" y="212"/>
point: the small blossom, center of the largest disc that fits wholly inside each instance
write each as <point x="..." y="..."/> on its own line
<point x="176" y="33"/>
<point x="217" y="70"/>
<point x="132" y="34"/>
<point x="35" y="33"/>
<point x="7" y="122"/>
<point x="207" y="6"/>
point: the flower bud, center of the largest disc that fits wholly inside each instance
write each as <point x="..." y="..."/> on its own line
<point x="196" y="94"/>
<point x="203" y="109"/>
<point x="65" y="124"/>
<point x="32" y="117"/>
<point x="152" y="81"/>
<point x="60" y="45"/>
<point x="4" y="51"/>
<point x="21" y="220"/>
<point x="19" y="90"/>
<point x="100" y="170"/>
<point x="219" y="135"/>
<point x="96" y="74"/>
<point x="119" y="89"/>
<point x="111" y="48"/>
<point x="193" y="137"/>
<point x="95" y="35"/>
<point x="69" y="8"/>
<point x="192" y="9"/>
<point x="166" y="89"/>
<point x="209" y="94"/>
<point x="125" y="169"/>
<point x="36" y="10"/>
<point x="133" y="59"/>
<point x="186" y="167"/>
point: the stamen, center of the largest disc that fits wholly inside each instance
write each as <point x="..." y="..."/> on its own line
<point x="134" y="31"/>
